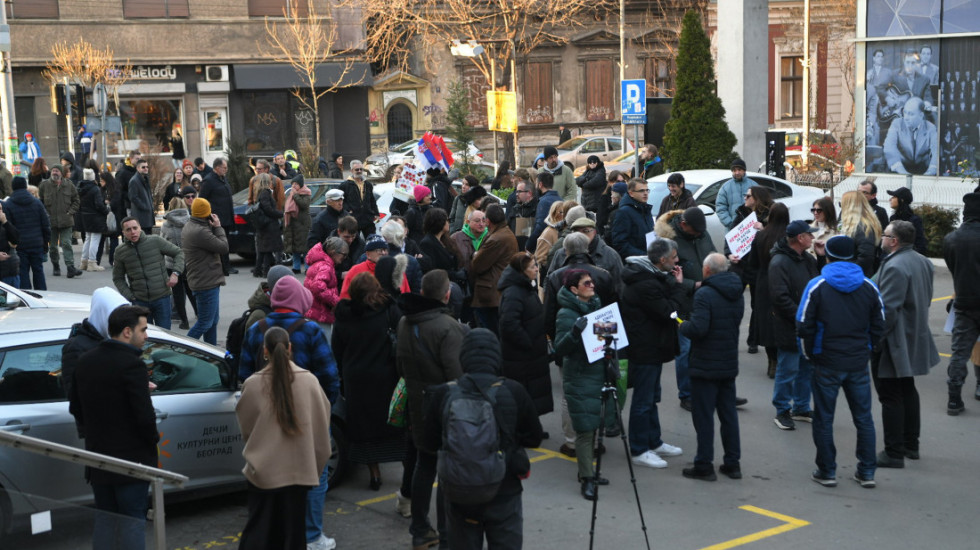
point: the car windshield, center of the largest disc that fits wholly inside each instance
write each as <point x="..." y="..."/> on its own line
<point x="659" y="190"/>
<point x="573" y="143"/>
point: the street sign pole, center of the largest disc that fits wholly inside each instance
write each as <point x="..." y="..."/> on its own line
<point x="633" y="96"/>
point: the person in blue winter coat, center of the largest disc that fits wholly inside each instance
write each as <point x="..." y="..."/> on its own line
<point x="30" y="150"/>
<point x="29" y="216"/>
<point x="840" y="318"/>
<point x="732" y="194"/>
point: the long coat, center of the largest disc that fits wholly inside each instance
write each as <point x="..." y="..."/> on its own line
<point x="582" y="380"/>
<point x="141" y="201"/>
<point x="489" y="262"/>
<point x="268" y="237"/>
<point x="905" y="283"/>
<point x="92" y="207"/>
<point x="295" y="232"/>
<point x="523" y="338"/>
<point x="217" y="192"/>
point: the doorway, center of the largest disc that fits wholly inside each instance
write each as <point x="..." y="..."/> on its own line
<point x="214" y="133"/>
<point x="399" y="124"/>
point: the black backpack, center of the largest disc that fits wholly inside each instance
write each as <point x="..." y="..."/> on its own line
<point x="236" y="335"/>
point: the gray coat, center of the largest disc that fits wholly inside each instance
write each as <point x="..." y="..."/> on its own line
<point x="905" y="282"/>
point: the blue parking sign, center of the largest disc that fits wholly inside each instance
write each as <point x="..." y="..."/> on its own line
<point x="634" y="101"/>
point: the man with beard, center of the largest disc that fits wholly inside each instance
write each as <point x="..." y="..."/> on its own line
<point x="563" y="177"/>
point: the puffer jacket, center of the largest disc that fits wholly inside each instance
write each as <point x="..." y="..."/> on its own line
<point x="691" y="252"/>
<point x="61" y="201"/>
<point x="630" y="227"/>
<point x="173" y="223"/>
<point x="30" y="218"/>
<point x="789" y="273"/>
<point x="713" y="327"/>
<point x="139" y="270"/>
<point x="321" y="281"/>
<point x="203" y="246"/>
<point x="649" y="297"/>
<point x="523" y="338"/>
<point x="593" y="183"/>
<point x="582" y="380"/>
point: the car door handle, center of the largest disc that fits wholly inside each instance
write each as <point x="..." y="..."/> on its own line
<point x="19" y="427"/>
<point x="160" y="414"/>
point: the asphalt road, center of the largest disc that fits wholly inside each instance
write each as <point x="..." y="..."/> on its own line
<point x="927" y="504"/>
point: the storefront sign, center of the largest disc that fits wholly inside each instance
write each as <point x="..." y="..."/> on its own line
<point x="152" y="72"/>
<point x="408" y="95"/>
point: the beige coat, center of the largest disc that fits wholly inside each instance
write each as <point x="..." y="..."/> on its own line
<point x="272" y="458"/>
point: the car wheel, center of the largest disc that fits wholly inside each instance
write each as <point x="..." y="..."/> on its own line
<point x="337" y="465"/>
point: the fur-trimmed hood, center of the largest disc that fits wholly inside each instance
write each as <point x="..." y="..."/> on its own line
<point x="664" y="227"/>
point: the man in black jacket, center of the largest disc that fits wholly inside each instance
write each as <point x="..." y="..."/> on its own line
<point x="870" y="192"/>
<point x="327" y="220"/>
<point x="124" y="174"/>
<point x="652" y="293"/>
<point x="215" y="190"/>
<point x="359" y="199"/>
<point x="790" y="269"/>
<point x="961" y="250"/>
<point x="713" y="331"/>
<point x="501" y="520"/>
<point x="110" y="401"/>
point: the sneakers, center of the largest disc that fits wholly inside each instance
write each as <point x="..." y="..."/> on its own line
<point x="428" y="540"/>
<point x="703" y="475"/>
<point x="867" y="482"/>
<point x="668" y="450"/>
<point x="806" y="416"/>
<point x="955" y="405"/>
<point x="733" y="472"/>
<point x="649" y="459"/>
<point x="567" y="450"/>
<point x="322" y="543"/>
<point x="824" y="479"/>
<point x="784" y="421"/>
<point x="885" y="461"/>
<point x="403" y="505"/>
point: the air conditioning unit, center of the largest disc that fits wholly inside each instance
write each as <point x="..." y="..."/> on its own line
<point x="216" y="73"/>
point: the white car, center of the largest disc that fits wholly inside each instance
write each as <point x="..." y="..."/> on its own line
<point x="578" y="149"/>
<point x="382" y="165"/>
<point x="705" y="184"/>
<point x="13" y="298"/>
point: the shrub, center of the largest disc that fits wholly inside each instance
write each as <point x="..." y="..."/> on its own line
<point x="937" y="223"/>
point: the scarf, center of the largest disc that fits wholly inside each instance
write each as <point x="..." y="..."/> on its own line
<point x="477" y="241"/>
<point x="291" y="209"/>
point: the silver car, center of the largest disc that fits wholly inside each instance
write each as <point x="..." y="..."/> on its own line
<point x="578" y="149"/>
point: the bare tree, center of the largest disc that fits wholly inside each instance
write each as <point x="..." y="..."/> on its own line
<point x="82" y="63"/>
<point x="306" y="39"/>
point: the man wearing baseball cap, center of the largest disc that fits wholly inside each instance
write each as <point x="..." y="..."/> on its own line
<point x="326" y="221"/>
<point x="374" y="249"/>
<point x="790" y="269"/>
<point x="732" y="194"/>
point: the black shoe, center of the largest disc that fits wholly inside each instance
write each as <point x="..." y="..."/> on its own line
<point x="613" y="431"/>
<point x="955" y="405"/>
<point x="72" y="272"/>
<point x="823" y="479"/>
<point x="703" y="475"/>
<point x="686" y="404"/>
<point x="588" y="489"/>
<point x="567" y="450"/>
<point x="57" y="271"/>
<point x="602" y="481"/>
<point x="784" y="421"/>
<point x="771" y="370"/>
<point x="257" y="274"/>
<point x="375" y="484"/>
<point x="184" y="325"/>
<point x="912" y="455"/>
<point x="601" y="449"/>
<point x="753" y="349"/>
<point x="296" y="271"/>
<point x="976" y="394"/>
<point x="886" y="461"/>
<point x="545" y="435"/>
<point x="232" y="271"/>
<point x="428" y="540"/>
<point x="734" y="472"/>
<point x="802" y="416"/>
<point x="739" y="401"/>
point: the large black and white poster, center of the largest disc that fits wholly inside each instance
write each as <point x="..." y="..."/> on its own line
<point x="959" y="115"/>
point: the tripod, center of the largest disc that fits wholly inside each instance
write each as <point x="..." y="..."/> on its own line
<point x="610" y="362"/>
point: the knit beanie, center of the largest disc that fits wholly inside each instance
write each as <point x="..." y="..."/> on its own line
<point x="188" y="190"/>
<point x="375" y="242"/>
<point x="573" y="214"/>
<point x="481" y="352"/>
<point x="290" y="294"/>
<point x="277" y="272"/>
<point x="187" y="162"/>
<point x="420" y="192"/>
<point x="18" y="183"/>
<point x="201" y="208"/>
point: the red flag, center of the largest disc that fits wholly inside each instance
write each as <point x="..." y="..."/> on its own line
<point x="447" y="155"/>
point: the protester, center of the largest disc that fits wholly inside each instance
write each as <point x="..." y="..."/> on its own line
<point x="321" y="280"/>
<point x="61" y="200"/>
<point x="858" y="221"/>
<point x="173" y="226"/>
<point x="678" y="197"/>
<point x="375" y="248"/>
<point x="757" y="261"/>
<point x="9" y="260"/>
<point x="731" y="193"/>
<point x="89" y="332"/>
<point x="140" y="271"/>
<point x="824" y="221"/>
<point x="633" y="220"/>
<point x="296" y="223"/>
<point x="547" y="196"/>
<point x="417" y="210"/>
<point x="93" y="207"/>
<point x="592" y="182"/>
<point x="961" y="251"/>
<point x="268" y="232"/>
<point x="489" y="263"/>
<point x="28" y="215"/>
<point x="327" y="220"/>
<point x="901" y="205"/>
<point x="359" y="199"/>
<point x="470" y="192"/>
<point x="216" y="190"/>
<point x="203" y="241"/>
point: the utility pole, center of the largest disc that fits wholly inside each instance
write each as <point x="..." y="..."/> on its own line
<point x="806" y="83"/>
<point x="9" y="125"/>
<point x="622" y="66"/>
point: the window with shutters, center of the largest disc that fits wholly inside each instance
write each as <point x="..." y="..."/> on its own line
<point x="476" y="87"/>
<point x="32" y="9"/>
<point x="276" y="8"/>
<point x="599" y="83"/>
<point x="156" y="9"/>
<point x="658" y="72"/>
<point x="538" y="94"/>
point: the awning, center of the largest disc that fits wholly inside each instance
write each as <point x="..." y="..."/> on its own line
<point x="283" y="75"/>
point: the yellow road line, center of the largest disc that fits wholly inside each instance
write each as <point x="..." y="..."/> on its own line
<point x="945" y="355"/>
<point x="790" y="523"/>
<point x="941" y="299"/>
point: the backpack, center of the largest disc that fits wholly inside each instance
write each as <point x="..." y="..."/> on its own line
<point x="235" y="336"/>
<point x="472" y="463"/>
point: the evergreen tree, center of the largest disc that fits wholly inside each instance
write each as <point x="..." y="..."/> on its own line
<point x="457" y="127"/>
<point x="696" y="136"/>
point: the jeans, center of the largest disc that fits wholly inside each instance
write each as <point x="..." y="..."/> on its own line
<point x="181" y="292"/>
<point x="113" y="243"/>
<point x="900" y="418"/>
<point x="680" y="367"/>
<point x="13" y="280"/>
<point x="422" y="480"/>
<point x="708" y="396"/>
<point x="314" y="507"/>
<point x="61" y="236"/>
<point x="91" y="245"/>
<point x="159" y="311"/>
<point x="207" y="315"/>
<point x="297" y="261"/>
<point x="857" y="391"/>
<point x="501" y="521"/>
<point x="644" y="427"/>
<point x="793" y="373"/>
<point x="124" y="524"/>
<point x="32" y="262"/>
<point x="966" y="328"/>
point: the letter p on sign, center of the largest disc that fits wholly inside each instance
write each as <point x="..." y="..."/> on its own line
<point x="633" y="99"/>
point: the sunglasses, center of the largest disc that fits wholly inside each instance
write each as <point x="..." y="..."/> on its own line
<point x="815" y="210"/>
<point x="589" y="282"/>
<point x="191" y="196"/>
<point x="357" y="170"/>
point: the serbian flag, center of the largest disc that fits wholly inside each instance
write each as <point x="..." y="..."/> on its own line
<point x="447" y="155"/>
<point x="428" y="153"/>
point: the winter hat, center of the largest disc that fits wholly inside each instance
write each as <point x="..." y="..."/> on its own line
<point x="375" y="242"/>
<point x="187" y="162"/>
<point x="573" y="214"/>
<point x="188" y="189"/>
<point x="971" y="205"/>
<point x="335" y="155"/>
<point x="420" y="192"/>
<point x="797" y="228"/>
<point x="335" y="195"/>
<point x="584" y="221"/>
<point x="291" y="294"/>
<point x="694" y="218"/>
<point x="620" y="187"/>
<point x="481" y="352"/>
<point x="903" y="194"/>
<point x="195" y="177"/>
<point x="88" y="174"/>
<point x="738" y="163"/>
<point x="200" y="208"/>
<point x="277" y="272"/>
<point x="591" y="159"/>
<point x="550" y="151"/>
<point x="840" y="247"/>
<point x="390" y="270"/>
<point x="18" y="183"/>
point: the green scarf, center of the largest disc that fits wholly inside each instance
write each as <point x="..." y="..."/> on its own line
<point x="477" y="241"/>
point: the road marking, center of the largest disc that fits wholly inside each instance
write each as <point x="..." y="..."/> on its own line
<point x="945" y="355"/>
<point x="941" y="299"/>
<point x="789" y="524"/>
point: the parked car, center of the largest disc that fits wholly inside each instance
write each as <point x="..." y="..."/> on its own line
<point x="624" y="163"/>
<point x="194" y="401"/>
<point x="382" y="165"/>
<point x="578" y="149"/>
<point x="13" y="298"/>
<point x="822" y="142"/>
<point x="705" y="185"/>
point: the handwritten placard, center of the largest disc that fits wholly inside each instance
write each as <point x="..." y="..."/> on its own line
<point x="607" y="318"/>
<point x="741" y="236"/>
<point x="410" y="177"/>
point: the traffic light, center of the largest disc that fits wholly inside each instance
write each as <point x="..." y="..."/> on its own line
<point x="58" y="99"/>
<point x="77" y="102"/>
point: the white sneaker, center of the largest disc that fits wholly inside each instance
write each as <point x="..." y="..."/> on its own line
<point x="322" y="543"/>
<point x="649" y="459"/>
<point x="403" y="505"/>
<point x="668" y="450"/>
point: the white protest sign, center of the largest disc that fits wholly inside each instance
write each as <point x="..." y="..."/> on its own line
<point x="741" y="236"/>
<point x="607" y="316"/>
<point x="651" y="236"/>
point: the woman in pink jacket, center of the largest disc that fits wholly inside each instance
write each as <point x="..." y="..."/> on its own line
<point x="322" y="282"/>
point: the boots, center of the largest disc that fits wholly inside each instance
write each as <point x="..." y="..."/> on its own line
<point x="92" y="266"/>
<point x="771" y="371"/>
<point x="72" y="272"/>
<point x="955" y="405"/>
<point x="57" y="270"/>
<point x="84" y="265"/>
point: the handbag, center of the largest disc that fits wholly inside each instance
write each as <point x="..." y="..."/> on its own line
<point x="399" y="402"/>
<point x="110" y="223"/>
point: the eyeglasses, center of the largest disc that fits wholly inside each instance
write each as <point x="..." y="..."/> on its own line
<point x="815" y="210"/>
<point x="748" y="196"/>
<point x="587" y="282"/>
<point x="357" y="170"/>
<point x="191" y="196"/>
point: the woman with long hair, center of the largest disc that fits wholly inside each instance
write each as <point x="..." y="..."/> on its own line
<point x="93" y="208"/>
<point x="553" y="226"/>
<point x="502" y="179"/>
<point x="285" y="422"/>
<point x="438" y="250"/>
<point x="268" y="234"/>
<point x="366" y="359"/>
<point x="757" y="200"/>
<point x="824" y="220"/>
<point x="758" y="261"/>
<point x="859" y="222"/>
<point x="297" y="222"/>
<point x="39" y="172"/>
<point x="901" y="205"/>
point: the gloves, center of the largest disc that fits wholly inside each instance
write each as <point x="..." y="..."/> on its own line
<point x="579" y="326"/>
<point x="949" y="305"/>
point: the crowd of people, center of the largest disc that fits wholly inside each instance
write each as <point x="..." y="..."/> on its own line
<point x="455" y="298"/>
